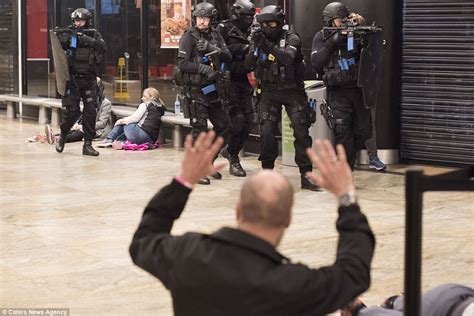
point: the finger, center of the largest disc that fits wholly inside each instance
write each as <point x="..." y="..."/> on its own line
<point x="320" y="164"/>
<point x="198" y="141"/>
<point x="321" y="149"/>
<point x="330" y="149"/>
<point x="219" y="165"/>
<point x="217" y="145"/>
<point x="188" y="143"/>
<point x="208" y="139"/>
<point x="311" y="154"/>
<point x="315" y="178"/>
<point x="341" y="153"/>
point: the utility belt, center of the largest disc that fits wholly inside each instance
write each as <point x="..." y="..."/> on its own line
<point x="341" y="78"/>
<point x="279" y="86"/>
<point x="277" y="74"/>
<point x="83" y="75"/>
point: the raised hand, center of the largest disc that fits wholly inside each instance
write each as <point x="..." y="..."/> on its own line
<point x="335" y="174"/>
<point x="199" y="157"/>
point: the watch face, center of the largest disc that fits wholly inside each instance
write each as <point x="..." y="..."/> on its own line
<point x="347" y="199"/>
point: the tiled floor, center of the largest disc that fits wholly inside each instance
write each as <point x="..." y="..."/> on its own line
<point x="67" y="220"/>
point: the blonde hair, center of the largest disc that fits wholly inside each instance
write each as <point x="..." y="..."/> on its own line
<point x="154" y="93"/>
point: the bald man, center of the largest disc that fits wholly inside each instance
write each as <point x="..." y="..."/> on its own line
<point x="238" y="271"/>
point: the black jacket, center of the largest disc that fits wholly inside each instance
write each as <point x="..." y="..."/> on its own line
<point x="231" y="272"/>
<point x="188" y="59"/>
<point x="238" y="45"/>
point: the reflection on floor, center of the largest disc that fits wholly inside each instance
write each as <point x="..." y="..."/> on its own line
<point x="67" y="220"/>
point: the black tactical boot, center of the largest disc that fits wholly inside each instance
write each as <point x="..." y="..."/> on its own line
<point x="88" y="150"/>
<point x="204" y="181"/>
<point x="307" y="184"/>
<point x="217" y="175"/>
<point x="60" y="143"/>
<point x="235" y="168"/>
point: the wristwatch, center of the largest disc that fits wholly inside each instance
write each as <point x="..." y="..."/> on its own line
<point x="347" y="199"/>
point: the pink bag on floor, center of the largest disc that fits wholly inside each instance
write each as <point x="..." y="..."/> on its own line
<point x="127" y="145"/>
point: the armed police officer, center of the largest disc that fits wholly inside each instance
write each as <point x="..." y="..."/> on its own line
<point x="199" y="74"/>
<point x="275" y="54"/>
<point x="235" y="33"/>
<point x="336" y="58"/>
<point x="84" y="47"/>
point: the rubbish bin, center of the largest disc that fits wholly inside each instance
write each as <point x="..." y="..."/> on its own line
<point x="315" y="90"/>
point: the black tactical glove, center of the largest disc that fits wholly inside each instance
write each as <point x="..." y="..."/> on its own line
<point x="259" y="40"/>
<point x="204" y="47"/>
<point x="206" y="70"/>
<point x="336" y="40"/>
<point x="85" y="39"/>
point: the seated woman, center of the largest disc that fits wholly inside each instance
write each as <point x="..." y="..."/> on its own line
<point x="141" y="127"/>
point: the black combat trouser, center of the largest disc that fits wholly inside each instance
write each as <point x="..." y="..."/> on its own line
<point x="351" y="119"/>
<point x="84" y="88"/>
<point x="295" y="101"/>
<point x="204" y="107"/>
<point x="240" y="113"/>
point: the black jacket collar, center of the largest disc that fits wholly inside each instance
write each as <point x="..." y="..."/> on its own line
<point x="250" y="242"/>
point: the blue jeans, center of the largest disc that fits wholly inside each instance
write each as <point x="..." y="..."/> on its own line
<point x="131" y="132"/>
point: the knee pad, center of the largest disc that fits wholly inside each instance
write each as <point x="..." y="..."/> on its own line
<point x="238" y="123"/>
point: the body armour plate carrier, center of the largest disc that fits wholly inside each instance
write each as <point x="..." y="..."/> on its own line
<point x="275" y="75"/>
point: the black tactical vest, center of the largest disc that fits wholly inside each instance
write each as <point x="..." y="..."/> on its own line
<point x="233" y="35"/>
<point x="342" y="68"/>
<point x="83" y="58"/>
<point x="212" y="37"/>
<point x="275" y="75"/>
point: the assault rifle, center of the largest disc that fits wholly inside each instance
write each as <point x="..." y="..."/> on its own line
<point x="360" y="32"/>
<point x="67" y="30"/>
<point x="255" y="31"/>
<point x="223" y="79"/>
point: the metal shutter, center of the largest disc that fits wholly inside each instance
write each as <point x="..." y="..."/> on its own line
<point x="437" y="103"/>
<point x="7" y="48"/>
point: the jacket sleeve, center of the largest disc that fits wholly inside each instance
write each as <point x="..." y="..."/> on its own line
<point x="99" y="43"/>
<point x="327" y="289"/>
<point x="225" y="56"/>
<point x="137" y="115"/>
<point x="185" y="50"/>
<point x="103" y="115"/>
<point x="320" y="54"/>
<point x="250" y="61"/>
<point x="153" y="248"/>
<point x="287" y="55"/>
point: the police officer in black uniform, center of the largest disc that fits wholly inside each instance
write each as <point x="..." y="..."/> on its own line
<point x="235" y="33"/>
<point x="338" y="66"/>
<point x="84" y="47"/>
<point x="275" y="54"/>
<point x="199" y="75"/>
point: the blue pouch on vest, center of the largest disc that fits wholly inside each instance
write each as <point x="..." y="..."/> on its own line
<point x="350" y="42"/>
<point x="74" y="41"/>
<point x="208" y="89"/>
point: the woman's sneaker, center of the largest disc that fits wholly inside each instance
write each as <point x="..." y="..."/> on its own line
<point x="49" y="134"/>
<point x="107" y="143"/>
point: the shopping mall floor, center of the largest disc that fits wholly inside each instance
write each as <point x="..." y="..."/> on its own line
<point x="67" y="221"/>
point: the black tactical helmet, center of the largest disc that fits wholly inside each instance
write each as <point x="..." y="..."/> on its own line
<point x="242" y="7"/>
<point x="271" y="13"/>
<point x="333" y="11"/>
<point x="81" y="14"/>
<point x="204" y="9"/>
